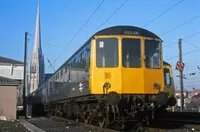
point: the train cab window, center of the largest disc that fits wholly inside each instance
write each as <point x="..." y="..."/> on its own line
<point x="107" y="52"/>
<point x="82" y="59"/>
<point x="131" y="53"/>
<point x="152" y="53"/>
<point x="167" y="77"/>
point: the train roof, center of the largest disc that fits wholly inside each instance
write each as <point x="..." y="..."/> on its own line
<point x="166" y="63"/>
<point x="127" y="30"/>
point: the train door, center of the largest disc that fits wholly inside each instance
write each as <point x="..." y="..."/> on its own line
<point x="168" y="81"/>
<point x="153" y="72"/>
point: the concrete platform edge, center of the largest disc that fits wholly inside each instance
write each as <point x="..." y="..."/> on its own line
<point x="30" y="127"/>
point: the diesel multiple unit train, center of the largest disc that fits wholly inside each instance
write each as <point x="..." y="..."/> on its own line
<point x="118" y="75"/>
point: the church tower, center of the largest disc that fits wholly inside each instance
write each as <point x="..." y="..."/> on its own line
<point x="37" y="71"/>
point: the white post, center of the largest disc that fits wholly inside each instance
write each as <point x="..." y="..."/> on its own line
<point x="29" y="111"/>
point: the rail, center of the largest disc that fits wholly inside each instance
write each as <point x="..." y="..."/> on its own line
<point x="93" y="127"/>
<point x="181" y="117"/>
<point x="174" y="120"/>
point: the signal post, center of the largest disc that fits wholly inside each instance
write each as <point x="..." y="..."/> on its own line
<point x="180" y="67"/>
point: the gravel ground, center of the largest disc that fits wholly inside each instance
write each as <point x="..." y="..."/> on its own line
<point x="7" y="126"/>
<point x="171" y="130"/>
<point x="49" y="125"/>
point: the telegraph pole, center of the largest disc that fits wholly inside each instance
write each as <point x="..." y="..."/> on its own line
<point x="181" y="73"/>
<point x="24" y="84"/>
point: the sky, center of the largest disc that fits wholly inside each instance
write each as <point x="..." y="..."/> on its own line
<point x="61" y="20"/>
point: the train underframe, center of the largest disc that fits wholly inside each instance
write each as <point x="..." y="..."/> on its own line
<point x="111" y="109"/>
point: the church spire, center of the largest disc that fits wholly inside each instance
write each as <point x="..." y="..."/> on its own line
<point x="37" y="60"/>
<point x="37" y="41"/>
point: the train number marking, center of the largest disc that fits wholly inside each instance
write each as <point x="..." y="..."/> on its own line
<point x="80" y="86"/>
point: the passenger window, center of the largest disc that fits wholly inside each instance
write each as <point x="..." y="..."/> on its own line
<point x="66" y="68"/>
<point x="82" y="57"/>
<point x="131" y="53"/>
<point x="87" y="60"/>
<point x="74" y="63"/>
<point x="61" y="72"/>
<point x="167" y="77"/>
<point x="82" y="60"/>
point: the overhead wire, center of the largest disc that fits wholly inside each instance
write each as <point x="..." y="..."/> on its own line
<point x="189" y="76"/>
<point x="81" y="28"/>
<point x="193" y="67"/>
<point x="145" y="24"/>
<point x="198" y="48"/>
<point x="100" y="25"/>
<point x="193" y="18"/>
<point x="191" y="81"/>
<point x="192" y="72"/>
<point x="184" y="54"/>
<point x="194" y="34"/>
<point x="191" y="44"/>
<point x="194" y="62"/>
<point x="176" y="4"/>
<point x="112" y="14"/>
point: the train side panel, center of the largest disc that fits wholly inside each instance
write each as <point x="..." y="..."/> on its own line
<point x="73" y="79"/>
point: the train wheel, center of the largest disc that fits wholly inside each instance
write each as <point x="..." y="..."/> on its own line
<point x="48" y="114"/>
<point x="122" y="124"/>
<point x="102" y="123"/>
<point x="139" y="127"/>
<point x="103" y="116"/>
<point x="87" y="119"/>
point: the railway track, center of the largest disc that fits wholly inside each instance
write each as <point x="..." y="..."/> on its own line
<point x="93" y="127"/>
<point x="168" y="122"/>
<point x="181" y="117"/>
<point x="174" y="120"/>
<point x="185" y="128"/>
